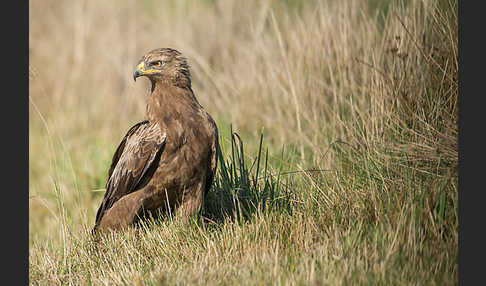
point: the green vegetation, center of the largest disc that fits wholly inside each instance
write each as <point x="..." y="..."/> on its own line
<point x="338" y="132"/>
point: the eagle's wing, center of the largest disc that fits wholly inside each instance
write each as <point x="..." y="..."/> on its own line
<point x="139" y="150"/>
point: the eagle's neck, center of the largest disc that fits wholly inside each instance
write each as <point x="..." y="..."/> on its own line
<point x="168" y="101"/>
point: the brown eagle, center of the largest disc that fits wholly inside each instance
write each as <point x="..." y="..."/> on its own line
<point x="168" y="161"/>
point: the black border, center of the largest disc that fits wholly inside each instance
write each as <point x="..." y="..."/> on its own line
<point x="471" y="130"/>
<point x="14" y="137"/>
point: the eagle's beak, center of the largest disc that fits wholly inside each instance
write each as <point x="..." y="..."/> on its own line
<point x="139" y="71"/>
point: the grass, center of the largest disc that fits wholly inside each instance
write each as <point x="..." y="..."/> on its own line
<point x="338" y="132"/>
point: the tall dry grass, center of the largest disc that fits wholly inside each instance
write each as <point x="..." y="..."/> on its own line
<point x="365" y="100"/>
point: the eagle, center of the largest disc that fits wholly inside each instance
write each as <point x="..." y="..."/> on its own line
<point x="167" y="162"/>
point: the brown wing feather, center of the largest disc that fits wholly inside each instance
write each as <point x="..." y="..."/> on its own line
<point x="140" y="148"/>
<point x="121" y="147"/>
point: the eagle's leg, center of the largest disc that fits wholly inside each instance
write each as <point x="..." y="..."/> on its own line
<point x="126" y="210"/>
<point x="191" y="202"/>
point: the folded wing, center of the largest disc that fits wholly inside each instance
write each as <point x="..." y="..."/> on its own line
<point x="133" y="163"/>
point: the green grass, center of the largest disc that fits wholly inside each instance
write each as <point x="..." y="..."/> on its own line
<point x="338" y="134"/>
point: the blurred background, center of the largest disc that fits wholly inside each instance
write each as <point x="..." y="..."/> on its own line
<point x="380" y="77"/>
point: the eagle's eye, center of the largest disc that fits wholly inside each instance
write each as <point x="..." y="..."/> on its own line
<point x="156" y="63"/>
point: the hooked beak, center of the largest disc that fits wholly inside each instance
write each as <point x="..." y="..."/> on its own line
<point x="139" y="71"/>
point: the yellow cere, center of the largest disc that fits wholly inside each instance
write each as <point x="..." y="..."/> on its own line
<point x="141" y="67"/>
<point x="149" y="71"/>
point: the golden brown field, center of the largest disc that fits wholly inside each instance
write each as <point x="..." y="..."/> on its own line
<point x="357" y="102"/>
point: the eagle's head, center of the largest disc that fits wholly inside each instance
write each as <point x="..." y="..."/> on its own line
<point x="164" y="65"/>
